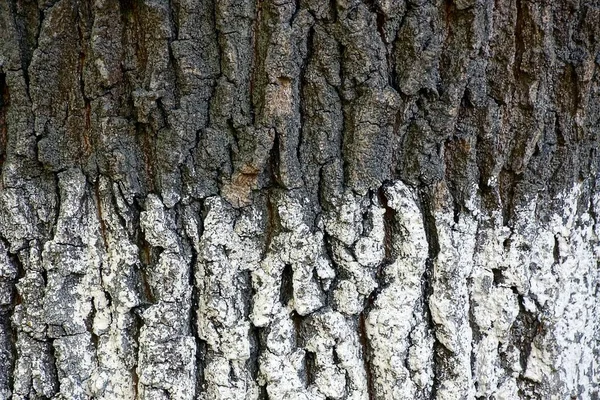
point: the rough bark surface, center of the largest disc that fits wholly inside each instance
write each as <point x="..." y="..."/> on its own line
<point x="252" y="199"/>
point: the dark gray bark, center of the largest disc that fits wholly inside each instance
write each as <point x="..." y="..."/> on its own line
<point x="304" y="199"/>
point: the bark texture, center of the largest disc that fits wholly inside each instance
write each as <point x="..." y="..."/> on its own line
<point x="346" y="199"/>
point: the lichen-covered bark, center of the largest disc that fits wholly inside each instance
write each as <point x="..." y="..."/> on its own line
<point x="252" y="199"/>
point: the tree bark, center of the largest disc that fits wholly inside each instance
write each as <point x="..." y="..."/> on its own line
<point x="255" y="199"/>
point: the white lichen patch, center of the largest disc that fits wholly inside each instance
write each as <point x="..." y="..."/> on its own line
<point x="395" y="318"/>
<point x="535" y="283"/>
<point x="166" y="355"/>
<point x="372" y="298"/>
<point x="227" y="251"/>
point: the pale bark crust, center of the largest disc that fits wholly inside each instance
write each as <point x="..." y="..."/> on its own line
<point x="260" y="199"/>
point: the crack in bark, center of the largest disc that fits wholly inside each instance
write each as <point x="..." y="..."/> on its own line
<point x="365" y="350"/>
<point x="4" y="104"/>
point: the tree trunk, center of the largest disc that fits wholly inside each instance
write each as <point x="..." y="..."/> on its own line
<point x="256" y="199"/>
